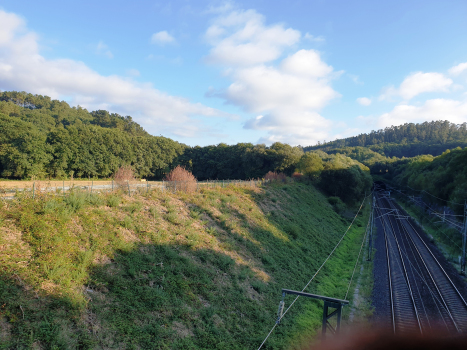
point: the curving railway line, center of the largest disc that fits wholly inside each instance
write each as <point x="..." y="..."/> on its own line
<point x="423" y="298"/>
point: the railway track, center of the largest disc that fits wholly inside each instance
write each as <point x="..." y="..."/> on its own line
<point x="423" y="296"/>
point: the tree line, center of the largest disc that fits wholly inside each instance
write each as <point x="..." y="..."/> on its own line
<point x="41" y="137"/>
<point x="407" y="140"/>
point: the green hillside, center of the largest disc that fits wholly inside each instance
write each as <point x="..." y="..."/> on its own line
<point x="407" y="140"/>
<point x="162" y="270"/>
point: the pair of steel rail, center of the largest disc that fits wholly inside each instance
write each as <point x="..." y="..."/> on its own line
<point x="422" y="296"/>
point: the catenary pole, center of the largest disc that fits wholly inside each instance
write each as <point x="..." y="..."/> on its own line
<point x="464" y="240"/>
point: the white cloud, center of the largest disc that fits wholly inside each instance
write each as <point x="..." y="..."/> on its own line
<point x="418" y="83"/>
<point x="286" y="97"/>
<point x="267" y="89"/>
<point x="240" y="38"/>
<point x="103" y="50"/>
<point x="22" y="67"/>
<point x="310" y="37"/>
<point x="434" y="109"/>
<point x="162" y="38"/>
<point x="364" y="101"/>
<point x="456" y="70"/>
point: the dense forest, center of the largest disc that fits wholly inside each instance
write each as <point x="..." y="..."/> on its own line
<point x="441" y="180"/>
<point x="41" y="137"/>
<point x="428" y="159"/>
<point x="408" y="140"/>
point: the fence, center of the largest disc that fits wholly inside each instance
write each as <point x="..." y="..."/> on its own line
<point x="129" y="187"/>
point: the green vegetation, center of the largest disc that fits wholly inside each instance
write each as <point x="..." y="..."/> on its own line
<point x="40" y="137"/>
<point x="336" y="174"/>
<point x="162" y="270"/>
<point x="448" y="239"/>
<point x="444" y="176"/>
<point x="406" y="140"/>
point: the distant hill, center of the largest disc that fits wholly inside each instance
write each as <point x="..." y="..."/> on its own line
<point x="408" y="140"/>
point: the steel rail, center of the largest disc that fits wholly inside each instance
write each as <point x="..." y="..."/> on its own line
<point x="403" y="308"/>
<point x="438" y="300"/>
<point x="454" y="301"/>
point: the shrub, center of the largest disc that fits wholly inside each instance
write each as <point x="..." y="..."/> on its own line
<point x="180" y="179"/>
<point x="113" y="201"/>
<point x="297" y="176"/>
<point x="134" y="207"/>
<point x="275" y="177"/>
<point x="338" y="205"/>
<point x="76" y="201"/>
<point x="95" y="199"/>
<point x="124" y="175"/>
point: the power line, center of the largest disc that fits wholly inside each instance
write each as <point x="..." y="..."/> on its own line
<point x="338" y="243"/>
<point x="432" y="195"/>
<point x="358" y="257"/>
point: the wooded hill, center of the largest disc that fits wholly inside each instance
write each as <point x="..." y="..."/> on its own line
<point x="408" y="140"/>
<point x="429" y="157"/>
<point x="42" y="137"/>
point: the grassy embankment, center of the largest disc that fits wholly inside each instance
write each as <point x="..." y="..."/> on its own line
<point x="169" y="271"/>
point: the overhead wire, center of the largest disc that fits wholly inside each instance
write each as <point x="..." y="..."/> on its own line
<point x="358" y="257"/>
<point x="337" y="245"/>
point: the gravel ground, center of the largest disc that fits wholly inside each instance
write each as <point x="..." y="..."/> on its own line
<point x="381" y="300"/>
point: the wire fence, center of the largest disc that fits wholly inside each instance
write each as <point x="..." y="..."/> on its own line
<point x="37" y="188"/>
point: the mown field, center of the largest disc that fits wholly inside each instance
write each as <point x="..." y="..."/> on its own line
<point x="169" y="271"/>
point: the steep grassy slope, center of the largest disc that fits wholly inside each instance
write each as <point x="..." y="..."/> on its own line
<point x="169" y="271"/>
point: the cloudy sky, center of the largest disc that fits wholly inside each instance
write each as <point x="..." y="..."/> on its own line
<point x="260" y="71"/>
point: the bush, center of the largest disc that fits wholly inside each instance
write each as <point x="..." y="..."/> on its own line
<point x="338" y="205"/>
<point x="180" y="179"/>
<point x="124" y="175"/>
<point x="113" y="201"/>
<point x="297" y="176"/>
<point x="275" y="177"/>
<point x="76" y="201"/>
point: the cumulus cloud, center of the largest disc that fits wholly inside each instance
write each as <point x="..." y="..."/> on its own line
<point x="22" y="67"/>
<point x="103" y="50"/>
<point x="162" y="38"/>
<point x="418" y="83"/>
<point x="456" y="70"/>
<point x="364" y="101"/>
<point x="240" y="38"/>
<point x="434" y="109"/>
<point x="285" y="96"/>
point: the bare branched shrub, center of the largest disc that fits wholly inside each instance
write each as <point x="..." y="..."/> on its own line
<point x="180" y="179"/>
<point x="275" y="177"/>
<point x="124" y="175"/>
<point x="297" y="176"/>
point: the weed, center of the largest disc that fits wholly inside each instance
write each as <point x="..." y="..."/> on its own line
<point x="154" y="212"/>
<point x="95" y="200"/>
<point x="134" y="207"/>
<point x="195" y="213"/>
<point x="211" y="231"/>
<point x="173" y="218"/>
<point x="113" y="201"/>
<point x="76" y="200"/>
<point x="127" y="222"/>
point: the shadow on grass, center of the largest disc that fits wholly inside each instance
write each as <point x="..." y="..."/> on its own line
<point x="180" y="296"/>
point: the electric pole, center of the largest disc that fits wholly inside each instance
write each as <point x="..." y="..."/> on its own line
<point x="464" y="239"/>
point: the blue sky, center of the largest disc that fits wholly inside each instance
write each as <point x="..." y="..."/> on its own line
<point x="205" y="72"/>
